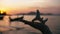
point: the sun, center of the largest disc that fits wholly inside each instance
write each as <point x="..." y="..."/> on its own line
<point x="19" y="5"/>
<point x="2" y="11"/>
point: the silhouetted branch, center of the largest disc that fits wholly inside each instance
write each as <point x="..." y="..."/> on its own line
<point x="40" y="26"/>
<point x="37" y="25"/>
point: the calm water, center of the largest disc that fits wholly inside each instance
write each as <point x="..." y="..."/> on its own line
<point x="53" y="23"/>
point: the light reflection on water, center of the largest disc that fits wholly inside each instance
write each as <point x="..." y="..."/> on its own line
<point x="53" y="23"/>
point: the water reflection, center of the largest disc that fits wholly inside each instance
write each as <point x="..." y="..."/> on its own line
<point x="53" y="24"/>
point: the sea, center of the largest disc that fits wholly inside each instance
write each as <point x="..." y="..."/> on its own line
<point x="7" y="27"/>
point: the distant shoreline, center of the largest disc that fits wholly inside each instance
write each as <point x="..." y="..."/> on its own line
<point x="50" y="15"/>
<point x="30" y="15"/>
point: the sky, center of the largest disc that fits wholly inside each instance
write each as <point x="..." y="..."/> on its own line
<point x="23" y="6"/>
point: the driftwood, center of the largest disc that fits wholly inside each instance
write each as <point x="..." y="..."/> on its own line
<point x="16" y="19"/>
<point x="37" y="25"/>
<point x="40" y="26"/>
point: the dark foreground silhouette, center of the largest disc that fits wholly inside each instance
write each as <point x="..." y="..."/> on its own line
<point x="2" y="15"/>
<point x="37" y="25"/>
<point x="40" y="26"/>
<point x="16" y="19"/>
<point x="1" y="32"/>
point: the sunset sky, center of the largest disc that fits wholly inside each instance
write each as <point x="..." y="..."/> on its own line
<point x="20" y="6"/>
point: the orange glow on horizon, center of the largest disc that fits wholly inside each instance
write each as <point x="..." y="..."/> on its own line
<point x="16" y="6"/>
